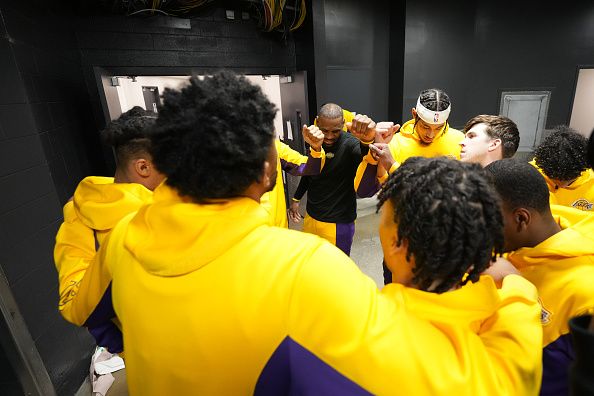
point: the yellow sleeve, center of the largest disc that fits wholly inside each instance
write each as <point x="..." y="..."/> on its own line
<point x="288" y="154"/>
<point x="513" y="337"/>
<point x="74" y="249"/>
<point x="92" y="305"/>
<point x="298" y="164"/>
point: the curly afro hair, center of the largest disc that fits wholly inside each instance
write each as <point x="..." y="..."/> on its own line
<point x="213" y="136"/>
<point x="450" y="215"/>
<point x="129" y="135"/>
<point x="563" y="154"/>
<point x="498" y="127"/>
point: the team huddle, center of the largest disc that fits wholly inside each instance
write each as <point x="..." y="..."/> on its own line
<point x="184" y="259"/>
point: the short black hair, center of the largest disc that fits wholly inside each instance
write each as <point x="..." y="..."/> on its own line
<point x="129" y="135"/>
<point x="519" y="184"/>
<point x="498" y="127"/>
<point x="451" y="217"/>
<point x="213" y="136"/>
<point x="563" y="154"/>
<point x="330" y="111"/>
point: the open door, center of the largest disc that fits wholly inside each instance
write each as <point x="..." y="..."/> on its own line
<point x="295" y="113"/>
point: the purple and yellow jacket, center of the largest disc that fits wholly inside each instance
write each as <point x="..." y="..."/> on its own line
<point x="562" y="269"/>
<point x="97" y="206"/>
<point x="213" y="300"/>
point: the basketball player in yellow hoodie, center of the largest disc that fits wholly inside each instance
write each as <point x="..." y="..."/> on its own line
<point x="427" y="134"/>
<point x="213" y="300"/>
<point x="562" y="160"/>
<point x="96" y="207"/>
<point x="552" y="253"/>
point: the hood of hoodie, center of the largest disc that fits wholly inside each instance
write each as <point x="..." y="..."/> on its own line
<point x="100" y="203"/>
<point x="574" y="240"/>
<point x="472" y="303"/>
<point x="173" y="236"/>
<point x="408" y="130"/>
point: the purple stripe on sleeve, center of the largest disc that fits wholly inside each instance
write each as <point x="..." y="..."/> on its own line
<point x="556" y="360"/>
<point x="108" y="336"/>
<point x="313" y="166"/>
<point x="368" y="185"/>
<point x="103" y="312"/>
<point x="293" y="370"/>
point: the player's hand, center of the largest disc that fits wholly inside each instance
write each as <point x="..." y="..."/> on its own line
<point x="362" y="127"/>
<point x="500" y="269"/>
<point x="381" y="152"/>
<point x="294" y="214"/>
<point x="313" y="136"/>
<point x="385" y="130"/>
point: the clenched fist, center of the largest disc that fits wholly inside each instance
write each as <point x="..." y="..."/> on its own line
<point x="381" y="152"/>
<point x="313" y="136"/>
<point x="385" y="130"/>
<point x="362" y="127"/>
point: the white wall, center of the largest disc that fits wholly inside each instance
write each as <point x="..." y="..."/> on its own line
<point x="582" y="114"/>
<point x="130" y="93"/>
<point x="271" y="87"/>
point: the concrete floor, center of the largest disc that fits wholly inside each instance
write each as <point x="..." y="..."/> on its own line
<point x="367" y="250"/>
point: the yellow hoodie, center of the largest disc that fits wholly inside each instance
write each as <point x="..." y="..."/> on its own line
<point x="562" y="269"/>
<point x="97" y="206"/>
<point x="405" y="144"/>
<point x="212" y="300"/>
<point x="292" y="162"/>
<point x="579" y="194"/>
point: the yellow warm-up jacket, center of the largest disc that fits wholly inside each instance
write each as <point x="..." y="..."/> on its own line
<point x="213" y="300"/>
<point x="292" y="162"/>
<point x="579" y="194"/>
<point x="96" y="207"/>
<point x="562" y="269"/>
<point x="405" y="144"/>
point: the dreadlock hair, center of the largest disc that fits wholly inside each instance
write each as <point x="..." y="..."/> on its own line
<point x="435" y="99"/>
<point x="519" y="184"/>
<point x="563" y="154"/>
<point x="498" y="127"/>
<point x="129" y="135"/>
<point x="450" y="215"/>
<point x="213" y="136"/>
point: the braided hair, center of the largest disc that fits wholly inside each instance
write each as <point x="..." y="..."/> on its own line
<point x="449" y="214"/>
<point x="435" y="99"/>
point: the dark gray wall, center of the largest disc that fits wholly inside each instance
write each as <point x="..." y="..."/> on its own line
<point x="155" y="46"/>
<point x="479" y="48"/>
<point x="352" y="55"/>
<point x="43" y="117"/>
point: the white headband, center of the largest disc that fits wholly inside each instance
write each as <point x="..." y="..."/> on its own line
<point x="432" y="117"/>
